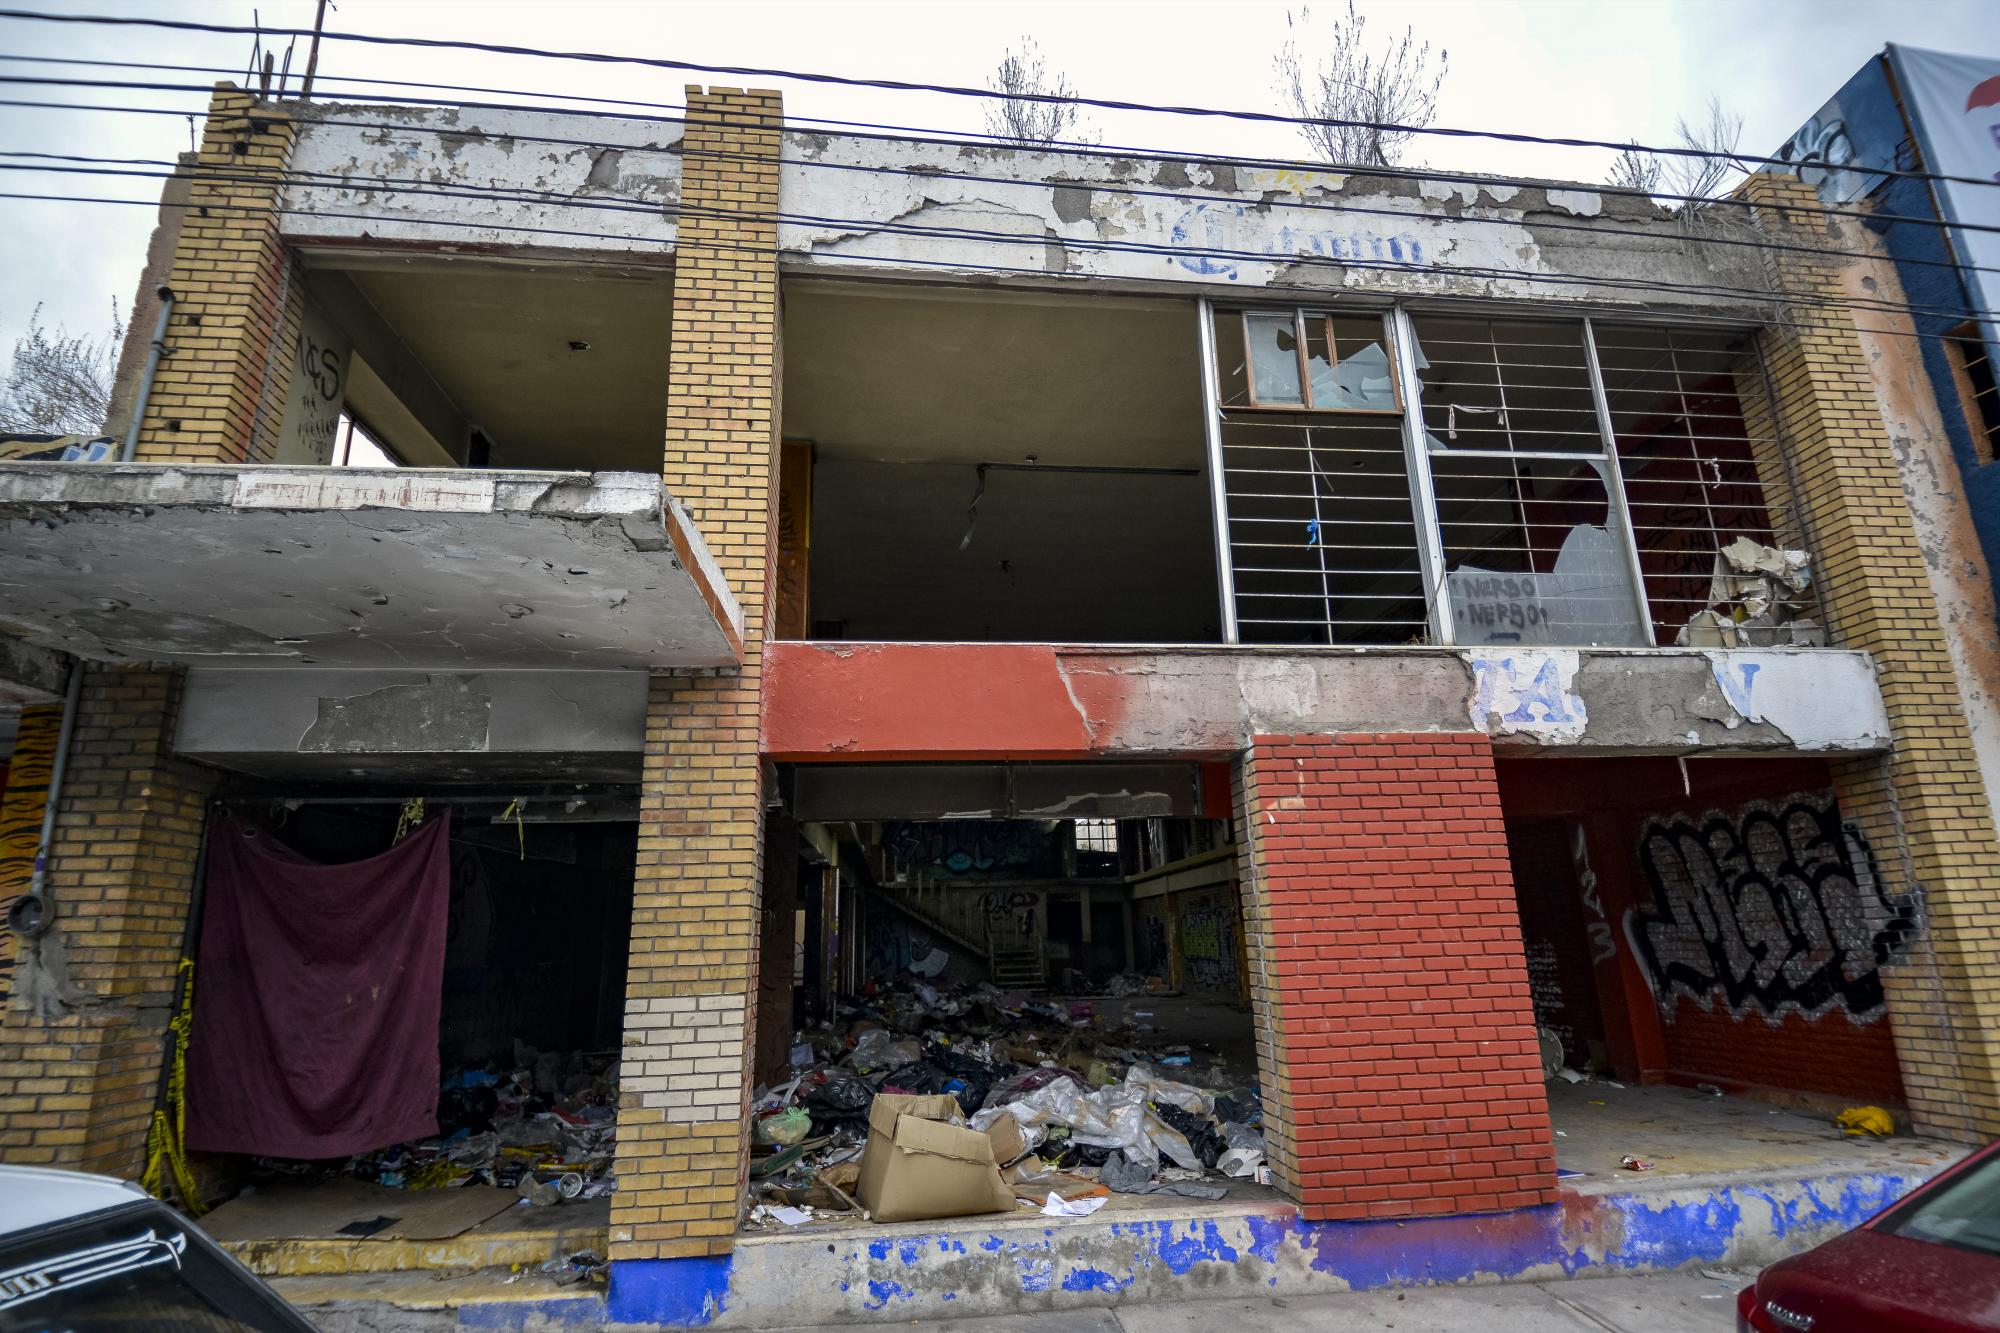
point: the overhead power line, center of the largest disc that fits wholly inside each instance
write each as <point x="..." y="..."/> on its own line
<point x="77" y="165"/>
<point x="311" y="114"/>
<point x="1744" y="160"/>
<point x="551" y="199"/>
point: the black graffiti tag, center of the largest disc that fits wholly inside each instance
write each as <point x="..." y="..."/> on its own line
<point x="1775" y="909"/>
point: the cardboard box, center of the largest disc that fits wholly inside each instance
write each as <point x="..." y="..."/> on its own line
<point x="923" y="1162"/>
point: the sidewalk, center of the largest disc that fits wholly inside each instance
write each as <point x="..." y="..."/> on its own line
<point x="1677" y="1303"/>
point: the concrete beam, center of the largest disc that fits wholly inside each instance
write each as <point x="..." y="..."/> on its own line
<point x="31" y="675"/>
<point x="582" y="726"/>
<point x="966" y="701"/>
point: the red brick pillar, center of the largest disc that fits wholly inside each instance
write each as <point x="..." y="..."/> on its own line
<point x="1377" y="872"/>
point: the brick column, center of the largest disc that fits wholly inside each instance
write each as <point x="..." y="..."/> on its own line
<point x="81" y="1038"/>
<point x="1407" y="1081"/>
<point x="690" y="991"/>
<point x="219" y="394"/>
<point x="1922" y="807"/>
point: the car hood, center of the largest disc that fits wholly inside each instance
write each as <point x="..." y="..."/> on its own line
<point x="1866" y="1281"/>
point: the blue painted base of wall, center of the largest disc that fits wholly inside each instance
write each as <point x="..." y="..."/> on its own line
<point x="984" y="1266"/>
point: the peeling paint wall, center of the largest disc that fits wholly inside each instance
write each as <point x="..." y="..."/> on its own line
<point x="1221" y="225"/>
<point x="863" y="205"/>
<point x="994" y="701"/>
<point x="493" y="179"/>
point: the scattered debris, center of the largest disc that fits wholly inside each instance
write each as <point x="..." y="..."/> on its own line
<point x="1756" y="599"/>
<point x="1708" y="1088"/>
<point x="544" y="1124"/>
<point x="928" y="1102"/>
<point x="1631" y="1163"/>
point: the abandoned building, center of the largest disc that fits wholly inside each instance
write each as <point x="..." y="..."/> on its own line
<point x="1453" y="653"/>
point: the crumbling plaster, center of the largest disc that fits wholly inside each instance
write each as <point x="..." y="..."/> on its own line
<point x="488" y="180"/>
<point x="984" y="701"/>
<point x="868" y="205"/>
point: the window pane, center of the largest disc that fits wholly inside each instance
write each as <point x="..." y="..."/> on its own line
<point x="1322" y="541"/>
<point x="1355" y="375"/>
<point x="1689" y="461"/>
<point x="1274" y="359"/>
<point x="1533" y="553"/>
<point x="1510" y="385"/>
<point x="1964" y="1213"/>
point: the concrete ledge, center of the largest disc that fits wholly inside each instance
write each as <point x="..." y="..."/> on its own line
<point x="986" y="701"/>
<point x="411" y="568"/>
<point x="1175" y="1253"/>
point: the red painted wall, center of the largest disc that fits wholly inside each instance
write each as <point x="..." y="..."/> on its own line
<point x="1396" y="949"/>
<point x="1751" y="1041"/>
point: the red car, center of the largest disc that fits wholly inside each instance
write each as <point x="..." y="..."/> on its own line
<point x="1929" y="1264"/>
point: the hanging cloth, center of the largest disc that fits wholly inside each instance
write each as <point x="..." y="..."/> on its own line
<point x="316" y="1030"/>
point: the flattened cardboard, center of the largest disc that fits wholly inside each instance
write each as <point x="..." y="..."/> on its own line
<point x="922" y="1162"/>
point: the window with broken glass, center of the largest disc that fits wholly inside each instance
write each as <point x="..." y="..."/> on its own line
<point x="1395" y="478"/>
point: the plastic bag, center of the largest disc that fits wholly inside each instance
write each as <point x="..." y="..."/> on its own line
<point x="879" y="1048"/>
<point x="1016" y="1086"/>
<point x="1114" y="1117"/>
<point x="786" y="1128"/>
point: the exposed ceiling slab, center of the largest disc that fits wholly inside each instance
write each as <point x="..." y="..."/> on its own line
<point x="947" y="375"/>
<point x="359" y="567"/>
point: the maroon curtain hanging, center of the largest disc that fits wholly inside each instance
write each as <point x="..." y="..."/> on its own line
<point x="316" y="993"/>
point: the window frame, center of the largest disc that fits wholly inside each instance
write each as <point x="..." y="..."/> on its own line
<point x="1300" y="314"/>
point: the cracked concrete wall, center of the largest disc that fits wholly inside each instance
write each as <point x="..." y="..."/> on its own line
<point x="994" y="701"/>
<point x="864" y="205"/>
<point x="491" y="180"/>
<point x="1227" y="226"/>
<point x="1961" y="580"/>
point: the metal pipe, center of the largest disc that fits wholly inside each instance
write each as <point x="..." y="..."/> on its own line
<point x="1614" y="482"/>
<point x="32" y="913"/>
<point x="1417" y="464"/>
<point x="131" y="446"/>
<point x="1211" y="402"/>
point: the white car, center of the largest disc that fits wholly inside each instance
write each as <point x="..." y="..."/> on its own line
<point x="97" y="1255"/>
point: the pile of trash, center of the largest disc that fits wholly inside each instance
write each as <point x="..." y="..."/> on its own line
<point x="909" y="1106"/>
<point x="1758" y="597"/>
<point x="544" y="1123"/>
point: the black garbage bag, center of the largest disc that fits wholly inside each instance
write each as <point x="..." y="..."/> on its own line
<point x="469" y="1109"/>
<point x="1202" y="1136"/>
<point x="841" y="1100"/>
<point x="967" y="1079"/>
<point x="1242" y="1107"/>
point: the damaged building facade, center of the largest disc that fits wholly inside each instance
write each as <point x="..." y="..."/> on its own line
<point x="1443" y="631"/>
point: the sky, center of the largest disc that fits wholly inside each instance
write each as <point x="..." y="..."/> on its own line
<point x="1608" y="69"/>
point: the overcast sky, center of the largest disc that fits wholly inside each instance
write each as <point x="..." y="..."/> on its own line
<point x="1612" y="69"/>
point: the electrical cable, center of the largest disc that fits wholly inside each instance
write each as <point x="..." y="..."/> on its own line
<point x="1179" y="252"/>
<point x="951" y="90"/>
<point x="1639" y="315"/>
<point x="308" y="114"/>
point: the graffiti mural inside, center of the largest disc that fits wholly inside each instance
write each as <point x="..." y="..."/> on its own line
<point x="1774" y="909"/>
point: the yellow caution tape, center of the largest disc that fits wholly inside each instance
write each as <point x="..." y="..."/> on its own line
<point x="166" y="1136"/>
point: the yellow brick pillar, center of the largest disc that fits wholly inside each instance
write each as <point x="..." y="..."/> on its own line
<point x="1922" y="806"/>
<point x="690" y="1009"/>
<point x="219" y="394"/>
<point x="81" y="1035"/>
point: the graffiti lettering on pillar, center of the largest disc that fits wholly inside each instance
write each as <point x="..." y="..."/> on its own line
<point x="1771" y="910"/>
<point x="1208" y="944"/>
<point x="1603" y="948"/>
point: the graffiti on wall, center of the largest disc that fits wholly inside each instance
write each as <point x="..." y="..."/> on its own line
<point x="1009" y="912"/>
<point x="1778" y="908"/>
<point x="967" y="848"/>
<point x="1217" y="240"/>
<point x="1208" y="944"/>
<point x="1597" y="925"/>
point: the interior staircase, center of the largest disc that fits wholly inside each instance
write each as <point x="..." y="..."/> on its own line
<point x="1013" y="962"/>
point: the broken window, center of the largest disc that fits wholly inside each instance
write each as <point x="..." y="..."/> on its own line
<point x="1322" y="537"/>
<point x="1675" y="399"/>
<point x="1097" y="835"/>
<point x="1313" y="361"/>
<point x="1529" y="524"/>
